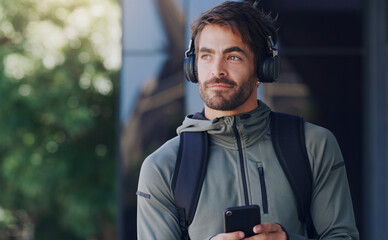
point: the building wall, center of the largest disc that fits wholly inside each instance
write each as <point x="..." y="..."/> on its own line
<point x="151" y="92"/>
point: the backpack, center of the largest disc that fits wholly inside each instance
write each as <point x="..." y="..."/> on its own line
<point x="287" y="136"/>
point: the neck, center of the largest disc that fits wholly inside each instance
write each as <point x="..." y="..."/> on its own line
<point x="248" y="106"/>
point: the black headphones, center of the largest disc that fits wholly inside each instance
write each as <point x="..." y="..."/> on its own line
<point x="267" y="69"/>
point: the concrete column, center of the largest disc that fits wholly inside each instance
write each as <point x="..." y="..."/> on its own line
<point x="375" y="225"/>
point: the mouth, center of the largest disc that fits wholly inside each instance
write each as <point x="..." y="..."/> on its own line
<point x="220" y="83"/>
<point x="220" y="86"/>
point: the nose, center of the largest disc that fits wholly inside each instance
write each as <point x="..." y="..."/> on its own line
<point x="219" y="68"/>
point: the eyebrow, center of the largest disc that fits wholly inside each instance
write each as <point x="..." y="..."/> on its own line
<point x="235" y="49"/>
<point x="228" y="50"/>
<point x="207" y="50"/>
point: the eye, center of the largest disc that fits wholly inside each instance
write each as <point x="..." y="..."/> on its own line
<point x="205" y="57"/>
<point x="234" y="58"/>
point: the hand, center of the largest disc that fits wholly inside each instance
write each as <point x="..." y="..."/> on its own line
<point x="268" y="231"/>
<point x="229" y="236"/>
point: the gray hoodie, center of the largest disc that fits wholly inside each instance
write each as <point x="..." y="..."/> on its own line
<point x="331" y="206"/>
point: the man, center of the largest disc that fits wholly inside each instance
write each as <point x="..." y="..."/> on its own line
<point x="230" y="40"/>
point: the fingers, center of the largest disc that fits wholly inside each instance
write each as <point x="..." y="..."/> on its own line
<point x="267" y="228"/>
<point x="229" y="236"/>
<point x="268" y="231"/>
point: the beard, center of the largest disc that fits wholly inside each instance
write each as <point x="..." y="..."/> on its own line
<point x="227" y="99"/>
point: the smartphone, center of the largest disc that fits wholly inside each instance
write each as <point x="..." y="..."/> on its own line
<point x="241" y="219"/>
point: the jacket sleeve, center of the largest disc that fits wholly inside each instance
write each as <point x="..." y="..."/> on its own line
<point x="156" y="212"/>
<point x="331" y="206"/>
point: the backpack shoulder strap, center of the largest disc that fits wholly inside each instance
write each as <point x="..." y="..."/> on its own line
<point x="288" y="140"/>
<point x="189" y="173"/>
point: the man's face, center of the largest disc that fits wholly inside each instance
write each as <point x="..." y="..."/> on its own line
<point x="226" y="72"/>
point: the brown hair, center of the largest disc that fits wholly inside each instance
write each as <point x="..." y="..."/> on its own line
<point x="253" y="25"/>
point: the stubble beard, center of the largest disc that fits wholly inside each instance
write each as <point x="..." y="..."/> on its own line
<point x="228" y="99"/>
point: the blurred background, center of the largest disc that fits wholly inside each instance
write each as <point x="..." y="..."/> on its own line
<point x="89" y="88"/>
<point x="59" y="75"/>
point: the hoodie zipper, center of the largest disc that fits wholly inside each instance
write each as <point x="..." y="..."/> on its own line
<point x="242" y="166"/>
<point x="264" y="197"/>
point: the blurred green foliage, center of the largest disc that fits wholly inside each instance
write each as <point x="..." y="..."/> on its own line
<point x="59" y="63"/>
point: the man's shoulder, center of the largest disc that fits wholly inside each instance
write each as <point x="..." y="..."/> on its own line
<point x="322" y="147"/>
<point x="156" y="175"/>
<point x="163" y="158"/>
<point x="318" y="134"/>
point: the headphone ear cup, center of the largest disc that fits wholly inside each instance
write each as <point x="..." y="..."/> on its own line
<point x="268" y="69"/>
<point x="190" y="69"/>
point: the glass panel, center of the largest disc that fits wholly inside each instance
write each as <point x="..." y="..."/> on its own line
<point x="144" y="26"/>
<point x="137" y="72"/>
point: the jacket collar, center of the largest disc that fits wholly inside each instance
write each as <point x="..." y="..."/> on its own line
<point x="250" y="126"/>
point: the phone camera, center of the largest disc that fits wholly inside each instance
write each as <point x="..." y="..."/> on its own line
<point x="228" y="213"/>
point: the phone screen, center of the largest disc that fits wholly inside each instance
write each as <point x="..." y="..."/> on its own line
<point x="242" y="219"/>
